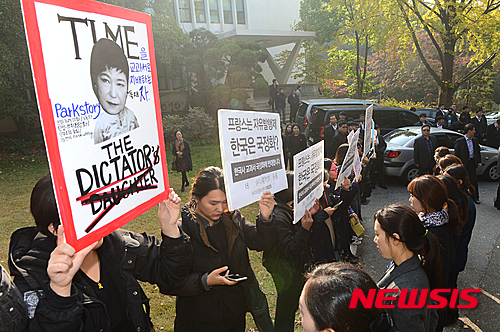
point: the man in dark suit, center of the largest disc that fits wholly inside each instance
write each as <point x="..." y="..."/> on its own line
<point x="329" y="132"/>
<point x="422" y="120"/>
<point x="467" y="149"/>
<point x="337" y="140"/>
<point x="273" y="92"/>
<point x="479" y="121"/>
<point x="423" y="151"/>
<point x="293" y="101"/>
<point x="493" y="134"/>
<point x="377" y="169"/>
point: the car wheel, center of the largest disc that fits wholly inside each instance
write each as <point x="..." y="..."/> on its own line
<point x="491" y="173"/>
<point x="410" y="174"/>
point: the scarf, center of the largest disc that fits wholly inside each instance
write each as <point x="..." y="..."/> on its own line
<point x="179" y="147"/>
<point x="434" y="219"/>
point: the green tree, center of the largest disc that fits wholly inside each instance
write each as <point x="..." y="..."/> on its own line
<point x="453" y="26"/>
<point x="17" y="95"/>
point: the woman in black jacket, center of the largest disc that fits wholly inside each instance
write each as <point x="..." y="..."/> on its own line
<point x="440" y="215"/>
<point x="295" y="144"/>
<point x="290" y="256"/>
<point x="95" y="289"/>
<point x="208" y="299"/>
<point x="182" y="162"/>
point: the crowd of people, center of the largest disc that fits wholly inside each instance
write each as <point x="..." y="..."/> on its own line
<point x="278" y="101"/>
<point x="203" y="260"/>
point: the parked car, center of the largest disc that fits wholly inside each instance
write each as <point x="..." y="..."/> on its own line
<point x="398" y="158"/>
<point x="388" y="118"/>
<point x="430" y="112"/>
<point x="305" y="107"/>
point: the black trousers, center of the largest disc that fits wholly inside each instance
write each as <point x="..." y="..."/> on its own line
<point x="471" y="170"/>
<point x="377" y="171"/>
<point x="287" y="302"/>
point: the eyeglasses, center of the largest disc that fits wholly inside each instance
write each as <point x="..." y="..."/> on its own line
<point x="426" y="130"/>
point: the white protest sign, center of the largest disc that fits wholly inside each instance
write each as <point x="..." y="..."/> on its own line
<point x="349" y="159"/>
<point x="357" y="165"/>
<point x="368" y="129"/>
<point x="94" y="70"/>
<point x="252" y="155"/>
<point x="308" y="179"/>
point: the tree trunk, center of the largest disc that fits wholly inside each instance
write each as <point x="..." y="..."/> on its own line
<point x="359" y="82"/>
<point x="446" y="95"/>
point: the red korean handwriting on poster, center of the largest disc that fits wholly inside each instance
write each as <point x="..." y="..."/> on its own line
<point x="95" y="77"/>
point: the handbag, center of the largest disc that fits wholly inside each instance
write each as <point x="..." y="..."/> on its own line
<point x="270" y="101"/>
<point x="174" y="165"/>
<point x="356" y="225"/>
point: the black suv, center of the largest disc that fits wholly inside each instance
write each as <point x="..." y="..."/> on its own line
<point x="388" y="118"/>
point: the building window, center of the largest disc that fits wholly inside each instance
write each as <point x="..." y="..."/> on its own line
<point x="199" y="11"/>
<point x="228" y="12"/>
<point x="185" y="11"/>
<point x="240" y="12"/>
<point x="214" y="11"/>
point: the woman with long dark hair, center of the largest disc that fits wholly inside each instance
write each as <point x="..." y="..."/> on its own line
<point x="182" y="162"/>
<point x="210" y="299"/>
<point x="440" y="215"/>
<point x="295" y="143"/>
<point x="416" y="264"/>
<point x="326" y="297"/>
<point x="286" y="135"/>
<point x="460" y="175"/>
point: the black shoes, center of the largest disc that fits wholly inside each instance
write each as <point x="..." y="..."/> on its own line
<point x="383" y="186"/>
<point x="477" y="201"/>
<point x="364" y="201"/>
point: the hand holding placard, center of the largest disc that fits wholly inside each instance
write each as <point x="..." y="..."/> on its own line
<point x="307" y="220"/>
<point x="168" y="214"/>
<point x="266" y="205"/>
<point x="63" y="264"/>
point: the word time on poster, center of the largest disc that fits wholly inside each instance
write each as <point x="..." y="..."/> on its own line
<point x="94" y="70"/>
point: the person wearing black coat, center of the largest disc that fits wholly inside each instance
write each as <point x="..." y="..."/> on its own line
<point x="337" y="140"/>
<point x="479" y="121"/>
<point x="493" y="135"/>
<point x="206" y="299"/>
<point x="329" y="131"/>
<point x="471" y="159"/>
<point x="295" y="144"/>
<point x="13" y="310"/>
<point x="423" y="151"/>
<point x="273" y="92"/>
<point x="95" y="289"/>
<point x="182" y="162"/>
<point x="281" y="104"/>
<point x="377" y="169"/>
<point x="293" y="101"/>
<point x="289" y="257"/>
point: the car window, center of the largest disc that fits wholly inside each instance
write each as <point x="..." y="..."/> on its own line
<point x="386" y="119"/>
<point x="317" y="116"/>
<point x="399" y="137"/>
<point x="452" y="139"/>
<point x="442" y="140"/>
<point x="302" y="109"/>
<point x="408" y="118"/>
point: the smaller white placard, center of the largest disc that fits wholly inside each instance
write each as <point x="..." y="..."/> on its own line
<point x="252" y="155"/>
<point x="348" y="163"/>
<point x="308" y="179"/>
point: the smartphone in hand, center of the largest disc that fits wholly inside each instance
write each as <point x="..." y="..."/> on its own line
<point x="235" y="277"/>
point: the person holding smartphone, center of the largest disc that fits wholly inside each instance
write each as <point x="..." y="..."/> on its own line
<point x="209" y="298"/>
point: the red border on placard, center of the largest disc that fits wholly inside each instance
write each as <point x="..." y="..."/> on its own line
<point x="47" y="117"/>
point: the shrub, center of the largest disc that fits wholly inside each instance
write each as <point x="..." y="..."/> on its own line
<point x="8" y="144"/>
<point x="402" y="104"/>
<point x="196" y="126"/>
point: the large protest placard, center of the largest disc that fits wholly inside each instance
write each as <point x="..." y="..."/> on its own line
<point x="95" y="77"/>
<point x="308" y="179"/>
<point x="252" y="155"/>
<point x="367" y="144"/>
<point x="348" y="164"/>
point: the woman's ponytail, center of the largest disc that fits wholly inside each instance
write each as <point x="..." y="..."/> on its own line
<point x="431" y="259"/>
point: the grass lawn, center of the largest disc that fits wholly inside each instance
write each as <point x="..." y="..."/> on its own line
<point x="18" y="176"/>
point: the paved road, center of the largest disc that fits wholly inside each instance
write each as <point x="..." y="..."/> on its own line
<point x="483" y="265"/>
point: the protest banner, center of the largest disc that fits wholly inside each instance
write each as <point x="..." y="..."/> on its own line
<point x="308" y="179"/>
<point x="357" y="165"/>
<point x="252" y="155"/>
<point x="348" y="163"/>
<point x="94" y="70"/>
<point x="367" y="144"/>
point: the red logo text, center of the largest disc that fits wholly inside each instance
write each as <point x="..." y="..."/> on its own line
<point x="413" y="298"/>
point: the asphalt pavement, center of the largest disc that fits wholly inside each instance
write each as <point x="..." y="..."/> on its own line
<point x="483" y="264"/>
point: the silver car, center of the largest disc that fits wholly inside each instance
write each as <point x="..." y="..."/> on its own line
<point x="398" y="158"/>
